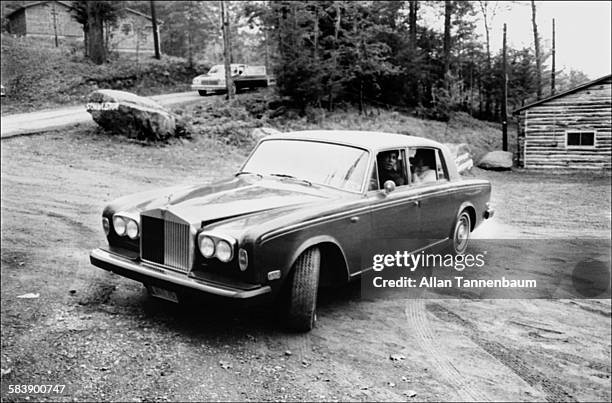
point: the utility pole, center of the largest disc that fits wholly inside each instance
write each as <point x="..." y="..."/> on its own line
<point x="155" y="31"/>
<point x="552" y="73"/>
<point x="229" y="85"/>
<point x="504" y="112"/>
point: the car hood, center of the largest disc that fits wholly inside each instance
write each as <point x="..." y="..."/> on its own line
<point x="219" y="76"/>
<point x="235" y="197"/>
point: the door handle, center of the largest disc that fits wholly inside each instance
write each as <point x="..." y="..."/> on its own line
<point x="354" y="219"/>
<point x="416" y="203"/>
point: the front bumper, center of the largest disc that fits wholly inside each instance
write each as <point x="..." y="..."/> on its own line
<point x="201" y="87"/>
<point x="166" y="278"/>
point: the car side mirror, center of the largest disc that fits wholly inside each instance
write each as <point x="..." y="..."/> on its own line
<point x="389" y="186"/>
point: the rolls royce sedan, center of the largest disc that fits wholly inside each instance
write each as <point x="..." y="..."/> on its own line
<point x="294" y="217"/>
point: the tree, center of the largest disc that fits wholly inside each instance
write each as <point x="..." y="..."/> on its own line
<point x="94" y="16"/>
<point x="155" y="30"/>
<point x="448" y="10"/>
<point x="536" y="45"/>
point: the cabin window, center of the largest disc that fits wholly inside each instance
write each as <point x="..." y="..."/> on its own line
<point x="126" y="28"/>
<point x="580" y="139"/>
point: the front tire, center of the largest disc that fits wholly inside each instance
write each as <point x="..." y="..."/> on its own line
<point x="460" y="236"/>
<point x="303" y="287"/>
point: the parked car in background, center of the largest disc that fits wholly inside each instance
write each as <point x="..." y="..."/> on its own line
<point x="294" y="217"/>
<point x="244" y="76"/>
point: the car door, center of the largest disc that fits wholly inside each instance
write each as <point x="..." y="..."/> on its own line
<point x="437" y="201"/>
<point x="396" y="215"/>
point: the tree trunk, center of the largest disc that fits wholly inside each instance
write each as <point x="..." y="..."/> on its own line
<point x="412" y="21"/>
<point x="97" y="52"/>
<point x="552" y="73"/>
<point x="536" y="43"/>
<point x="155" y="31"/>
<point x="447" y="38"/>
<point x="335" y="54"/>
<point x="226" y="53"/>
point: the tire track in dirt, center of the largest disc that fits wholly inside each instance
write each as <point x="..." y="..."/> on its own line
<point x="509" y="357"/>
<point x="416" y="316"/>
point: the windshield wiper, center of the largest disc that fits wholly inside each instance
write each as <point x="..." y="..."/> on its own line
<point x="307" y="182"/>
<point x="260" y="176"/>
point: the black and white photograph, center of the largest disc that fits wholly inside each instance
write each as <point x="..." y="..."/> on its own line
<point x="287" y="201"/>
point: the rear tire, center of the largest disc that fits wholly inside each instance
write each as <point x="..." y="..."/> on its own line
<point x="202" y="93"/>
<point x="460" y="235"/>
<point x="303" y="287"/>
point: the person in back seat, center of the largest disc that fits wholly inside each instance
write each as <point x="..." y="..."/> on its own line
<point x="422" y="168"/>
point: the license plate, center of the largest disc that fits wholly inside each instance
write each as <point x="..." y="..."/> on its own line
<point x="163" y="294"/>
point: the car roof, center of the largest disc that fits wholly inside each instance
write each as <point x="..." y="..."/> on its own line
<point x="370" y="140"/>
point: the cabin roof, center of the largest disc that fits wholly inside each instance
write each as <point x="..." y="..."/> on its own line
<point x="562" y="94"/>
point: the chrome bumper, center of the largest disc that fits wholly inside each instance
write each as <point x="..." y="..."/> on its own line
<point x="488" y="213"/>
<point x="123" y="266"/>
<point x="200" y="87"/>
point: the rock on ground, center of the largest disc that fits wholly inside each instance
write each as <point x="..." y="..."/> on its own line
<point x="131" y="115"/>
<point x="496" y="161"/>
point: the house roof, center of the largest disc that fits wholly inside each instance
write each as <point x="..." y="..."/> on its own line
<point x="562" y="94"/>
<point x="63" y="3"/>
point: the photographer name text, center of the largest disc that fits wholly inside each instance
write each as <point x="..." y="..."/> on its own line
<point x="457" y="281"/>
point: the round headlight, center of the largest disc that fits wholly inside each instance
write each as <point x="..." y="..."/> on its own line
<point x="207" y="246"/>
<point x="132" y="229"/>
<point x="119" y="225"/>
<point x="105" y="225"/>
<point x="224" y="251"/>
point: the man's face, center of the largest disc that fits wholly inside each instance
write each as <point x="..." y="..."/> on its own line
<point x="390" y="161"/>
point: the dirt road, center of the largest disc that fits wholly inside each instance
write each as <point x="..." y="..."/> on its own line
<point x="34" y="122"/>
<point x="104" y="339"/>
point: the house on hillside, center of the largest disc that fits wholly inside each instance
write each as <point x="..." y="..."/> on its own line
<point x="53" y="22"/>
<point x="45" y="20"/>
<point x="572" y="129"/>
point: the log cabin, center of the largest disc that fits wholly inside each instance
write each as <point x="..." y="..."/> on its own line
<point x="54" y="22"/>
<point x="569" y="130"/>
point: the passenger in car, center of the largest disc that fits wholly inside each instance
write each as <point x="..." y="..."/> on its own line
<point x="422" y="171"/>
<point x="390" y="168"/>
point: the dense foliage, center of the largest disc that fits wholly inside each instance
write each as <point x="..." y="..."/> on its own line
<point x="383" y="52"/>
<point x="422" y="56"/>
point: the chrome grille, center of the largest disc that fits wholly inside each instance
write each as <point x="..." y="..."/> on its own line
<point x="209" y="82"/>
<point x="166" y="243"/>
<point x="176" y="245"/>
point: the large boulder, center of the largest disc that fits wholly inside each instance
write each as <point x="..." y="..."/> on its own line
<point x="496" y="161"/>
<point x="462" y="155"/>
<point x="131" y="115"/>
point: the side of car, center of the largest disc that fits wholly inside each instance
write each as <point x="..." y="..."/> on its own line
<point x="325" y="245"/>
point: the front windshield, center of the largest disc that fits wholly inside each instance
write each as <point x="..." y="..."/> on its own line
<point x="216" y="70"/>
<point x="334" y="165"/>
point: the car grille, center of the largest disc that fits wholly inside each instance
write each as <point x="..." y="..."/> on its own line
<point x="209" y="82"/>
<point x="165" y="242"/>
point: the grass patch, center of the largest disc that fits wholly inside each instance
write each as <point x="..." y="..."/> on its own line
<point x="37" y="76"/>
<point x="232" y="123"/>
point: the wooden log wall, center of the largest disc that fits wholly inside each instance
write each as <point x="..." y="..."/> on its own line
<point x="545" y="127"/>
